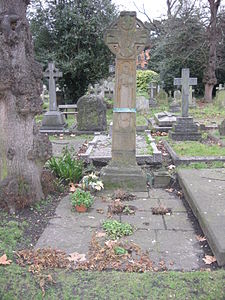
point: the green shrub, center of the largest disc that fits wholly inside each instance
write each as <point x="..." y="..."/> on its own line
<point x="117" y="229"/>
<point x="144" y="78"/>
<point x="80" y="197"/>
<point x="66" y="167"/>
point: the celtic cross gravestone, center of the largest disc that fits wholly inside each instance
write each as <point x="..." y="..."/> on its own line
<point x="53" y="120"/>
<point x="126" y="38"/>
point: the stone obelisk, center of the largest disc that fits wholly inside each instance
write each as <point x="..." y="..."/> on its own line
<point x="126" y="38"/>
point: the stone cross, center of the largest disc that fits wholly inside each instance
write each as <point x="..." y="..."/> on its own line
<point x="185" y="81"/>
<point x="52" y="74"/>
<point x="152" y="87"/>
<point x="126" y="38"/>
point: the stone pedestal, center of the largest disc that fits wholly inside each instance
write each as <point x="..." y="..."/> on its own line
<point x="126" y="177"/>
<point x="53" y="120"/>
<point x="185" y="130"/>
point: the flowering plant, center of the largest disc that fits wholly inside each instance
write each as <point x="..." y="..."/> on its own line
<point x="92" y="182"/>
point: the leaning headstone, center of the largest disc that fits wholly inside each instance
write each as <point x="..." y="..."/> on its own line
<point x="152" y="92"/>
<point x="185" y="129"/>
<point x="220" y="98"/>
<point x="222" y="128"/>
<point x="162" y="97"/>
<point x="142" y="104"/>
<point x="165" y="119"/>
<point x="53" y="120"/>
<point x="126" y="38"/>
<point x="91" y="115"/>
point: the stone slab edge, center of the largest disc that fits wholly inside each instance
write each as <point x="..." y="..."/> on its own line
<point x="177" y="160"/>
<point x="216" y="139"/>
<point x="202" y="219"/>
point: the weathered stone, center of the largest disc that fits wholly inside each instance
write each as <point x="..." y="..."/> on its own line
<point x="126" y="37"/>
<point x="205" y="192"/>
<point x="222" y="128"/>
<point x="161" y="179"/>
<point x="165" y="119"/>
<point x="91" y="113"/>
<point x="53" y="120"/>
<point x="191" y="99"/>
<point x="142" y="104"/>
<point x="185" y="129"/>
<point x="185" y="81"/>
<point x="220" y="98"/>
<point x="162" y="97"/>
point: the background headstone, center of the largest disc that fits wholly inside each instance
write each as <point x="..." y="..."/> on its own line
<point x="142" y="104"/>
<point x="222" y="128"/>
<point x="53" y="120"/>
<point x="220" y="98"/>
<point x="162" y="97"/>
<point x="191" y="100"/>
<point x="91" y="113"/>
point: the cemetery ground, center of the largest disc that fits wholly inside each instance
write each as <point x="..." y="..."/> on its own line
<point x="168" y="276"/>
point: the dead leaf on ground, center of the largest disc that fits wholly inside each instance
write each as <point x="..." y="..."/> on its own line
<point x="170" y="190"/>
<point x="72" y="187"/>
<point x="171" y="167"/>
<point x="200" y="238"/>
<point x="100" y="211"/>
<point x="100" y="234"/>
<point x="208" y="259"/>
<point x="4" y="261"/>
<point x="76" y="257"/>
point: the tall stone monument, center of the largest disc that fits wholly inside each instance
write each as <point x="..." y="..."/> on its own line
<point x="185" y="129"/>
<point x="53" y="120"/>
<point x="126" y="37"/>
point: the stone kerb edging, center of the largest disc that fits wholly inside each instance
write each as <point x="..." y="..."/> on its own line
<point x="178" y="160"/>
<point x="88" y="156"/>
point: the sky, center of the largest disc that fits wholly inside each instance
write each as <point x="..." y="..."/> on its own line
<point x="153" y="8"/>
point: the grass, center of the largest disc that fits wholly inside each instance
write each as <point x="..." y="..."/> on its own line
<point x="203" y="165"/>
<point x="208" y="111"/>
<point x="17" y="283"/>
<point x="217" y="134"/>
<point x="190" y="148"/>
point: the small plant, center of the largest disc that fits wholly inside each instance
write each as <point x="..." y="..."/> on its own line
<point x="117" y="229"/>
<point x="66" y="167"/>
<point x="91" y="182"/>
<point x="82" y="198"/>
<point x="120" y="251"/>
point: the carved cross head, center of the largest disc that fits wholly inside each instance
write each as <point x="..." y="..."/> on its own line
<point x="127" y="36"/>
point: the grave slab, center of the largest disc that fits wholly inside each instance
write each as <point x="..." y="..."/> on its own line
<point x="205" y="192"/>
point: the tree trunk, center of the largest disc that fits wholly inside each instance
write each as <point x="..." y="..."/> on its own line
<point x="210" y="72"/>
<point x="23" y="150"/>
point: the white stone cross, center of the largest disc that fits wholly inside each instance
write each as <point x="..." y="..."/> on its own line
<point x="52" y="74"/>
<point x="185" y="81"/>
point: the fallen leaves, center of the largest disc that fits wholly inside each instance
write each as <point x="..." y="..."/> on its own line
<point x="201" y="238"/>
<point x="42" y="259"/>
<point x="4" y="261"/>
<point x="208" y="259"/>
<point x="123" y="196"/>
<point x="161" y="210"/>
<point x="76" y="257"/>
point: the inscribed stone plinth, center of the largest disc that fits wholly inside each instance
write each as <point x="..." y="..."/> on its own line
<point x="91" y="113"/>
<point x="185" y="129"/>
<point x="126" y="38"/>
<point x="53" y="120"/>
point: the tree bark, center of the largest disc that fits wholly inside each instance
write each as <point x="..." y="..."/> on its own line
<point x="23" y="150"/>
<point x="210" y="72"/>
